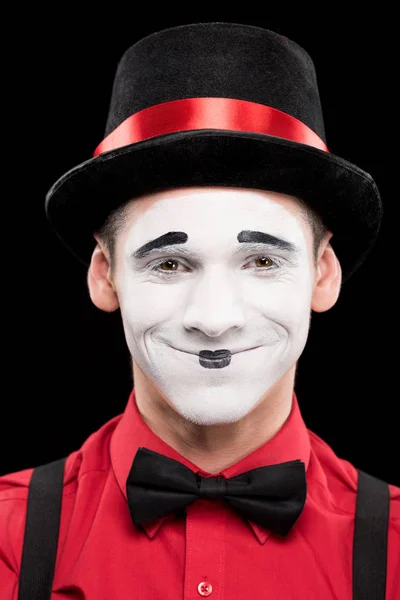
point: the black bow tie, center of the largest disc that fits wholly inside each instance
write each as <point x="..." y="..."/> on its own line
<point x="272" y="496"/>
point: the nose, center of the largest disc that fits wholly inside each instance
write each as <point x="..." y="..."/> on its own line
<point x="214" y="305"/>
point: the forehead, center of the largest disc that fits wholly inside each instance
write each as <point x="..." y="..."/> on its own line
<point x="212" y="217"/>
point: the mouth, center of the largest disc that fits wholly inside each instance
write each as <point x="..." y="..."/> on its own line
<point x="215" y="359"/>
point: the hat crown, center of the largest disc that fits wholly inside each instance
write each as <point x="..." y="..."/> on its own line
<point x="217" y="60"/>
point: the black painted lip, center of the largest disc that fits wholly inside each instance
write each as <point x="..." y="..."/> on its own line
<point x="215" y="353"/>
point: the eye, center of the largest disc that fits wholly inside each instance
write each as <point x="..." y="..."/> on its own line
<point x="167" y="262"/>
<point x="265" y="261"/>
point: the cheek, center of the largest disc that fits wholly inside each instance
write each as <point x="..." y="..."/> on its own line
<point x="288" y="303"/>
<point x="144" y="302"/>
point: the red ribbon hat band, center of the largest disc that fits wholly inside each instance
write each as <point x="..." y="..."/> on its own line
<point x="209" y="113"/>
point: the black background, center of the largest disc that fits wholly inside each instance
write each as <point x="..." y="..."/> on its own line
<point x="66" y="367"/>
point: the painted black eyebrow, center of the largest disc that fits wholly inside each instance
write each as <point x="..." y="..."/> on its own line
<point x="260" y="237"/>
<point x="174" y="238"/>
<point x="164" y="241"/>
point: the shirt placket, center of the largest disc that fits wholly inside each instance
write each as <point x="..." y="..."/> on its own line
<point x="205" y="550"/>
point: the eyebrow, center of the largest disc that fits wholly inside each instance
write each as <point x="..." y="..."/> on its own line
<point x="250" y="240"/>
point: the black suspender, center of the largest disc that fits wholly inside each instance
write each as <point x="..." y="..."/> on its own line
<point x="370" y="538"/>
<point x="41" y="531"/>
<point x="43" y="518"/>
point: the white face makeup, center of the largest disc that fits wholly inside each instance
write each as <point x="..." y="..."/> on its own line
<point x="221" y="270"/>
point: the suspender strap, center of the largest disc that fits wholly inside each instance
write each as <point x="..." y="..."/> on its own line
<point x="370" y="538"/>
<point x="41" y="531"/>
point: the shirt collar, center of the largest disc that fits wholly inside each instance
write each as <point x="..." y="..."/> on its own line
<point x="291" y="442"/>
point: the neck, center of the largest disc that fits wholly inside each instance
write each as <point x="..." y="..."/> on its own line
<point x="214" y="448"/>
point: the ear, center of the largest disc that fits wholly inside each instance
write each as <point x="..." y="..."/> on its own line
<point x="328" y="278"/>
<point x="101" y="287"/>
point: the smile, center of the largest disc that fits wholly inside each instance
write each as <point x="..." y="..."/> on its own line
<point x="217" y="353"/>
<point x="217" y="359"/>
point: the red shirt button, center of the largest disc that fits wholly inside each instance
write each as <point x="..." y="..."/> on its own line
<point x="204" y="588"/>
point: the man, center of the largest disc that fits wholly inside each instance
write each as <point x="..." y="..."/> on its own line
<point x="214" y="217"/>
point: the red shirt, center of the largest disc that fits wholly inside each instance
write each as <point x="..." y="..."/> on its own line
<point x="212" y="552"/>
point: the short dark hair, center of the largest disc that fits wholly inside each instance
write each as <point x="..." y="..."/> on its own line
<point x="117" y="219"/>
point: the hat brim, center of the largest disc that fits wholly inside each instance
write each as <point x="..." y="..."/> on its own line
<point x="344" y="195"/>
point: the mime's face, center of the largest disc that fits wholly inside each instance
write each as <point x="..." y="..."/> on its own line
<point x="215" y="289"/>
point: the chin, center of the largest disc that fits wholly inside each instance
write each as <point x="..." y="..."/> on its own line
<point x="199" y="418"/>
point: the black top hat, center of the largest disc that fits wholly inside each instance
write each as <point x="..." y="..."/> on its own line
<point x="216" y="104"/>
